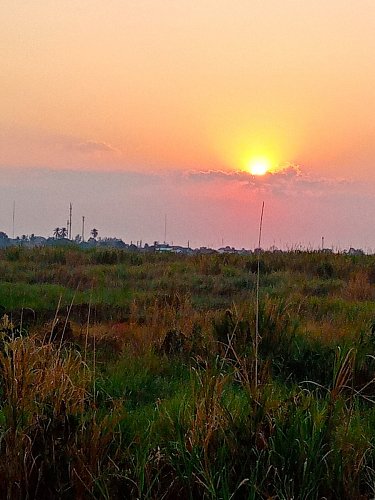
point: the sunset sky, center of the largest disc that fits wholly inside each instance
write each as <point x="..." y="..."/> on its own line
<point x="133" y="109"/>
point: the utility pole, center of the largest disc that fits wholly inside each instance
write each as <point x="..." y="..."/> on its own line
<point x="83" y="228"/>
<point x="322" y="242"/>
<point x="70" y="221"/>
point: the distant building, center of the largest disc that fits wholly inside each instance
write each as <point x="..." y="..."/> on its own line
<point x="166" y="248"/>
<point x="163" y="248"/>
<point x="227" y="249"/>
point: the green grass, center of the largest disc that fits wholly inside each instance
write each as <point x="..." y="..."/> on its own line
<point x="44" y="296"/>
<point x="47" y="296"/>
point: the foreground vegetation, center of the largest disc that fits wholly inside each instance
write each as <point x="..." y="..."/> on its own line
<point x="125" y="375"/>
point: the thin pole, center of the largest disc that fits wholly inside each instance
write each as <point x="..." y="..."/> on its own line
<point x="70" y="221"/>
<point x="257" y="298"/>
<point x="14" y="215"/>
<point x="165" y="229"/>
<point x="83" y="228"/>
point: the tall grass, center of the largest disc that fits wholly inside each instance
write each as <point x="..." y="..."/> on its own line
<point x="164" y="395"/>
<point x="53" y="442"/>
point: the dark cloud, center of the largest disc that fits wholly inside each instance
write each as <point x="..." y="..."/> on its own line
<point x="289" y="180"/>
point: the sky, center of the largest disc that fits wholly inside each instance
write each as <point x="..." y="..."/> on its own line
<point x="136" y="109"/>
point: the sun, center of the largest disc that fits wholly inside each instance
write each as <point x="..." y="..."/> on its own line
<point x="259" y="166"/>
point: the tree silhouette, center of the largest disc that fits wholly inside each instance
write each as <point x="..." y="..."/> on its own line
<point x="56" y="232"/>
<point x="94" y="233"/>
<point x="63" y="232"/>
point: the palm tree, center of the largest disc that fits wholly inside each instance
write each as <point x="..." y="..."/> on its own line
<point x="94" y="233"/>
<point x="56" y="232"/>
<point x="63" y="232"/>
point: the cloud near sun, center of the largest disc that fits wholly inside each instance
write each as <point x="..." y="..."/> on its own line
<point x="288" y="180"/>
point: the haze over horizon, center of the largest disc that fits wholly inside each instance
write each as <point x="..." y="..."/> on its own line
<point x="131" y="110"/>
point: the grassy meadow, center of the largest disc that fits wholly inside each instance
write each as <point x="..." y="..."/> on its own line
<point x="129" y="375"/>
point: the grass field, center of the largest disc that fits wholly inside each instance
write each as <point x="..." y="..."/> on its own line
<point x="128" y="375"/>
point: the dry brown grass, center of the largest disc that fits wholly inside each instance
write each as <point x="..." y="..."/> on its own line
<point x="209" y="415"/>
<point x="51" y="437"/>
<point x="359" y="287"/>
<point x="150" y="324"/>
<point x="34" y="375"/>
<point x="327" y="332"/>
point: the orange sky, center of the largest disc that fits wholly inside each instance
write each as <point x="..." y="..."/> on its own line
<point x="179" y="84"/>
<point x="173" y="86"/>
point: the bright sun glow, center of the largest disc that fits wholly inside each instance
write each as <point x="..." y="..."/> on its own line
<point x="259" y="166"/>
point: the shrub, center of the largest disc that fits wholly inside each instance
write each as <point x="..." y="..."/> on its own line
<point x="325" y="270"/>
